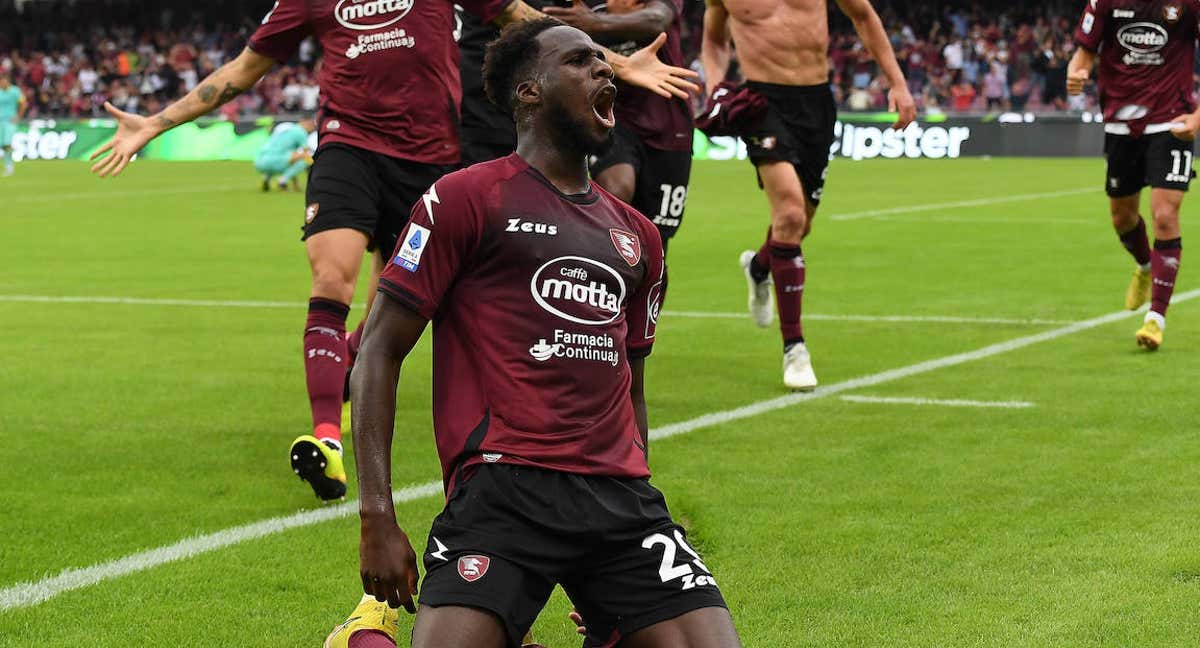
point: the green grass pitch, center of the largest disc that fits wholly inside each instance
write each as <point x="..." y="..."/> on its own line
<point x="1075" y="521"/>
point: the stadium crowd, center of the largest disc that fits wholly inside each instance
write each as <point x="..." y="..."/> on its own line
<point x="958" y="56"/>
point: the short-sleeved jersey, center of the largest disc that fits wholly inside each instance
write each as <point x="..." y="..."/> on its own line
<point x="287" y="139"/>
<point x="10" y="102"/>
<point x="538" y="299"/>
<point x="661" y="123"/>
<point x="389" y="76"/>
<point x="1147" y="51"/>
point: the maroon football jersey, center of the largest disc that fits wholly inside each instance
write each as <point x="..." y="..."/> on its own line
<point x="664" y="124"/>
<point x="537" y="299"/>
<point x="389" y="75"/>
<point x="1147" y="50"/>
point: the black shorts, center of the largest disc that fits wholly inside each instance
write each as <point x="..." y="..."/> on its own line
<point x="509" y="533"/>
<point x="351" y="188"/>
<point x="1159" y="160"/>
<point x="661" y="178"/>
<point x="797" y="128"/>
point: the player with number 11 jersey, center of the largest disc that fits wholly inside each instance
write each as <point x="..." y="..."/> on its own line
<point x="1146" y="52"/>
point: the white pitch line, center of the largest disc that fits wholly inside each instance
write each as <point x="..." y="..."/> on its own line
<point x="941" y="319"/>
<point x="977" y="202"/>
<point x="953" y="402"/>
<point x="223" y="303"/>
<point x="31" y="593"/>
<point x="762" y="407"/>
<point x="105" y="195"/>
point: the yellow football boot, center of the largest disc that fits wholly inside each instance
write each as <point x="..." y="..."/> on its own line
<point x="1150" y="336"/>
<point x="1139" y="289"/>
<point x="369" y="615"/>
<point x="320" y="464"/>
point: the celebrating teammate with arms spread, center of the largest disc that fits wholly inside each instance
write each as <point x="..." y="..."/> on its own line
<point x="542" y="428"/>
<point x="1147" y="52"/>
<point x="786" y="114"/>
<point x="389" y="101"/>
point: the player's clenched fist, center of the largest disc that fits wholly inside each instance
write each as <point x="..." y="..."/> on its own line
<point x="1076" y="79"/>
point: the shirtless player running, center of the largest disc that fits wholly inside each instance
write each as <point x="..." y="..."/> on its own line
<point x="785" y="112"/>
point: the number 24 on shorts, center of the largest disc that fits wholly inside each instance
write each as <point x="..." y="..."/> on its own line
<point x="669" y="571"/>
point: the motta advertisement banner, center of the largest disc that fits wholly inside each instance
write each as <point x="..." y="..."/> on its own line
<point x="856" y="137"/>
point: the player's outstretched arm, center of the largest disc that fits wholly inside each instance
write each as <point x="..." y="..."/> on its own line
<point x="220" y="87"/>
<point x="870" y="29"/>
<point x="1079" y="70"/>
<point x="644" y="22"/>
<point x="642" y="68"/>
<point x="715" y="52"/>
<point x="387" y="563"/>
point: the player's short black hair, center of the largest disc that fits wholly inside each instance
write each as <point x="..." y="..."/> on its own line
<point x="509" y="58"/>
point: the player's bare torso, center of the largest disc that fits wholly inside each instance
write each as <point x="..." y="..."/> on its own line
<point x="781" y="41"/>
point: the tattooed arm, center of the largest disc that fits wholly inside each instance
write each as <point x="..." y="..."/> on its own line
<point x="221" y="87"/>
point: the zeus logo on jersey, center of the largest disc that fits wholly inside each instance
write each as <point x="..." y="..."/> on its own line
<point x="415" y="242"/>
<point x="527" y="227"/>
<point x="579" y="290"/>
<point x="363" y="15"/>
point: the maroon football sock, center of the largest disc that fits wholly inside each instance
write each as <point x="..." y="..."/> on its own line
<point x="787" y="269"/>
<point x="1136" y="242"/>
<point x="325" y="361"/>
<point x="370" y="639"/>
<point x="1164" y="265"/>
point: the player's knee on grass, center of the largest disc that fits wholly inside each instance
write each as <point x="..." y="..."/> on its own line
<point x="450" y="626"/>
<point x="710" y="627"/>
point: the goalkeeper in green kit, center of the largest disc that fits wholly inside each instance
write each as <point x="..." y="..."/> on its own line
<point x="286" y="154"/>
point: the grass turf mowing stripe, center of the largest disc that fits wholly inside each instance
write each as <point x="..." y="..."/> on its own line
<point x="27" y="594"/>
<point x="976" y="202"/>
<point x="952" y="402"/>
<point x="106" y="195"/>
<point x="147" y="301"/>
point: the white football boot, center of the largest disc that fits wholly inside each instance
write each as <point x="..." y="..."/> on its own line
<point x="762" y="308"/>
<point x="797" y="369"/>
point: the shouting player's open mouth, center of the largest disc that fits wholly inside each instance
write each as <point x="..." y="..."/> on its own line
<point x="602" y="105"/>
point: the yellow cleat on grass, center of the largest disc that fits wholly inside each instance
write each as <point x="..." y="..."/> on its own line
<point x="1150" y="336"/>
<point x="369" y="615"/>
<point x="320" y="464"/>
<point x="1139" y="289"/>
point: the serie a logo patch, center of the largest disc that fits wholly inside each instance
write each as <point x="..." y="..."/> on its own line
<point x="415" y="242"/>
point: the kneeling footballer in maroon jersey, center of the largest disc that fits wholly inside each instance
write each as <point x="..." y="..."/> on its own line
<point x="1146" y="52"/>
<point x="544" y="293"/>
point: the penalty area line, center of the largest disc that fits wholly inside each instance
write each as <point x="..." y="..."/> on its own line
<point x="27" y="594"/>
<point x="940" y="402"/>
